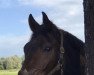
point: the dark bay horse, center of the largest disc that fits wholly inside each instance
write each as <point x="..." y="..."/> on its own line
<point x="42" y="52"/>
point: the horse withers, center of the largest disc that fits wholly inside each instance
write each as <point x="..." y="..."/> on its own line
<point x="42" y="52"/>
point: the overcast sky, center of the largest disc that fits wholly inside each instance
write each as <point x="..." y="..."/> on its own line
<point x="14" y="30"/>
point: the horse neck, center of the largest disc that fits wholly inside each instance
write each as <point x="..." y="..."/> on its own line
<point x="72" y="55"/>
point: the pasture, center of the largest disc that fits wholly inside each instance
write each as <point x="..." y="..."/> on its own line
<point x="8" y="72"/>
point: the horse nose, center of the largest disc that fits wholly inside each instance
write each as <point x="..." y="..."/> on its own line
<point x="23" y="72"/>
<point x="20" y="72"/>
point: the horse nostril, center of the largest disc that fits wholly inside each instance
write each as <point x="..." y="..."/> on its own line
<point x="19" y="73"/>
<point x="23" y="72"/>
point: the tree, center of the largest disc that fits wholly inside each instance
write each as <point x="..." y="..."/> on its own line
<point x="16" y="62"/>
<point x="8" y="63"/>
<point x="1" y="65"/>
<point x="89" y="35"/>
<point x="13" y="62"/>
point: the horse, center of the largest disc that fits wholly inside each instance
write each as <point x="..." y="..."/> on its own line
<point x="42" y="52"/>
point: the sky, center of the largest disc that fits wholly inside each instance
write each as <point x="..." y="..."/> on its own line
<point x="14" y="29"/>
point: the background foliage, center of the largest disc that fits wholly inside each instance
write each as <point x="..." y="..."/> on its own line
<point x="13" y="62"/>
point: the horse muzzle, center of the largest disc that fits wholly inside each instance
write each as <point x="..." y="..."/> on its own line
<point x="32" y="72"/>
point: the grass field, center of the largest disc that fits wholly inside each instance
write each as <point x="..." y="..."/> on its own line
<point x="9" y="72"/>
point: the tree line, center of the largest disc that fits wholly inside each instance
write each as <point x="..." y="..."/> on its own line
<point x="13" y="62"/>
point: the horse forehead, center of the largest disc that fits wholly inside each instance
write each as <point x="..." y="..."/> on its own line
<point x="43" y="38"/>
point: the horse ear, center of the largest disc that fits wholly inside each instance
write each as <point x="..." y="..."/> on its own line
<point x="32" y="23"/>
<point x="45" y="18"/>
<point x="48" y="24"/>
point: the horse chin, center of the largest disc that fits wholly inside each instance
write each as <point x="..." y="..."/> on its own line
<point x="31" y="72"/>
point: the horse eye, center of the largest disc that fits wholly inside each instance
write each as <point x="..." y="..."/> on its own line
<point x="47" y="49"/>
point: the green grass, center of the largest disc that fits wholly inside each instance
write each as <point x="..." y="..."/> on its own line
<point x="9" y="72"/>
